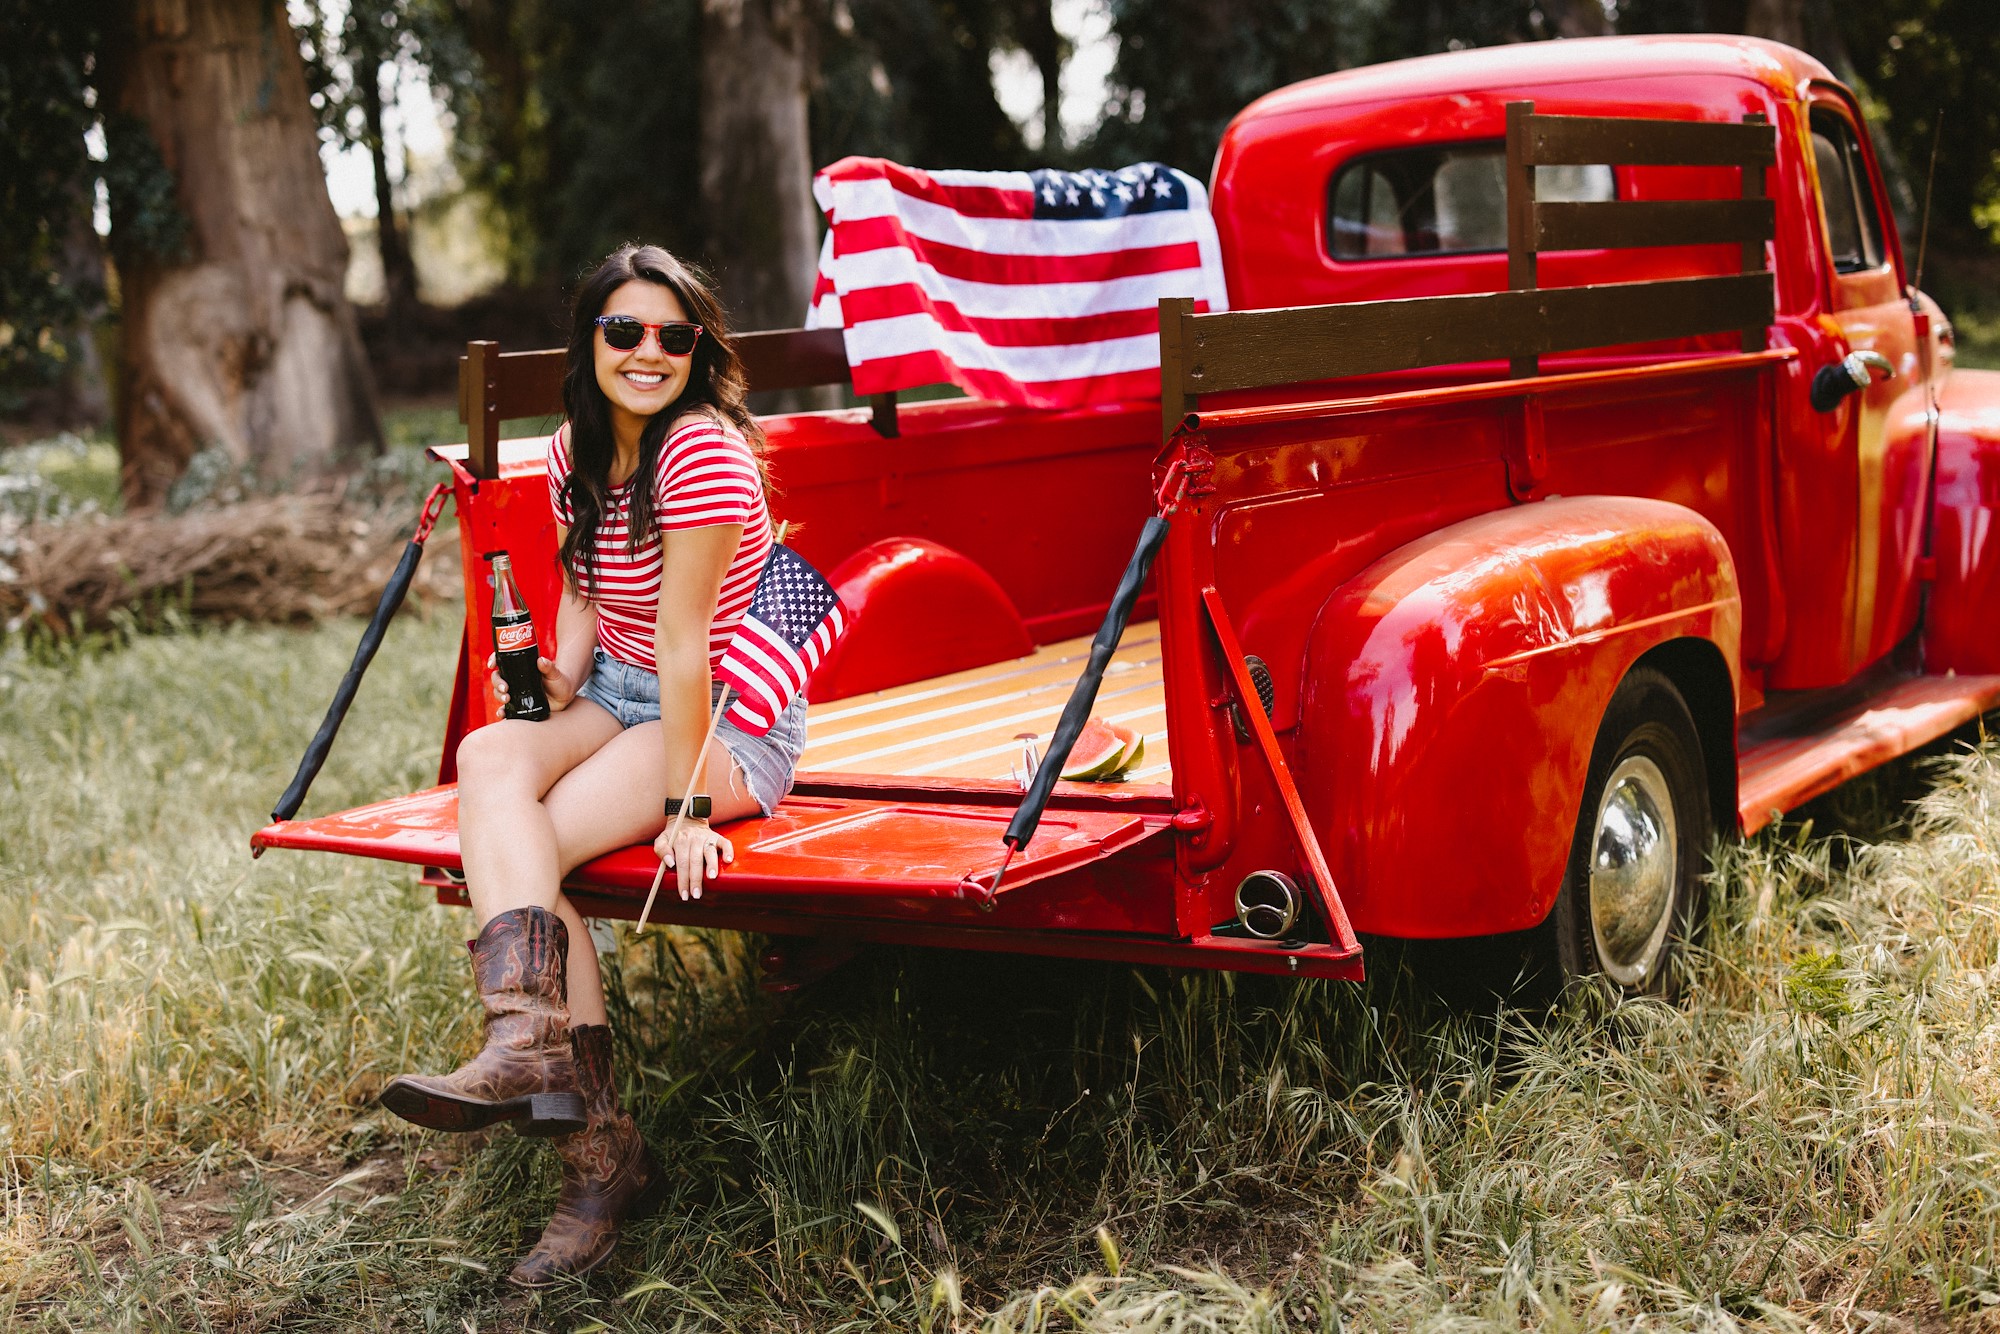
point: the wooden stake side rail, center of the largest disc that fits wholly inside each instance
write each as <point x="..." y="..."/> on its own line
<point x="1621" y="224"/>
<point x="496" y="386"/>
<point x="1255" y="349"/>
<point x="1581" y="141"/>
<point x="967" y="724"/>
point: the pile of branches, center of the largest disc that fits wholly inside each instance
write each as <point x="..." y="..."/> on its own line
<point x="287" y="559"/>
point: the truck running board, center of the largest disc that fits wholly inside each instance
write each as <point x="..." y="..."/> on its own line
<point x="1798" y="747"/>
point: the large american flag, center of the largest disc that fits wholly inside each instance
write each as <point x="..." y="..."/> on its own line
<point x="793" y="621"/>
<point x="1038" y="288"/>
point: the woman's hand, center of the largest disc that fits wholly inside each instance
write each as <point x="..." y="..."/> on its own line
<point x="694" y="852"/>
<point x="556" y="685"/>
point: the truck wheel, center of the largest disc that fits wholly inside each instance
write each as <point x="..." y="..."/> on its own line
<point x="1636" y="859"/>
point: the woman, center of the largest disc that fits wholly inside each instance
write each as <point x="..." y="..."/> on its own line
<point x="663" y="530"/>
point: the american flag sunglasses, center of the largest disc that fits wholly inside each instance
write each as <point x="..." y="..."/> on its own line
<point x="622" y="333"/>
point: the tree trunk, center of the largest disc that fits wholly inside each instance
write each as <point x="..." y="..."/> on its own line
<point x="399" y="271"/>
<point x="1577" y="18"/>
<point x="81" y="400"/>
<point x="1779" y="20"/>
<point x="1044" y="46"/>
<point x="246" y="340"/>
<point x="756" y="172"/>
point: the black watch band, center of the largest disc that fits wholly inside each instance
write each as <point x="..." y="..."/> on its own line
<point x="697" y="807"/>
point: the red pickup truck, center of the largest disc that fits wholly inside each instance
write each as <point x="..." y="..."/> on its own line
<point x="1578" y="477"/>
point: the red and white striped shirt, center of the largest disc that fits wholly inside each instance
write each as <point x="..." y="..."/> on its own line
<point x="707" y="476"/>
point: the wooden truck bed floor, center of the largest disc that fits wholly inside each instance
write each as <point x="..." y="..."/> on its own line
<point x="967" y="724"/>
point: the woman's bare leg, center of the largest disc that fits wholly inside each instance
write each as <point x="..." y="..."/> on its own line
<point x="612" y="800"/>
<point x="505" y="836"/>
<point x="586" y="984"/>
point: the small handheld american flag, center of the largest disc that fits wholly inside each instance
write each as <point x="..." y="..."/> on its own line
<point x="793" y="622"/>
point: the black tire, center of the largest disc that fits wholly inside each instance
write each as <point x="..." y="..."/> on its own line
<point x="1632" y="889"/>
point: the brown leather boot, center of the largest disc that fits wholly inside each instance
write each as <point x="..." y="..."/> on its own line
<point x="608" y="1175"/>
<point x="524" y="1073"/>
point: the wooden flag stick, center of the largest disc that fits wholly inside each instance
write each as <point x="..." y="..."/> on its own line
<point x="694" y="781"/>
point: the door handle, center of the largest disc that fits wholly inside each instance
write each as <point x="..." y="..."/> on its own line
<point x="1853" y="372"/>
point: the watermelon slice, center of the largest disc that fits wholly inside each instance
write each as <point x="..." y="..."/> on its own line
<point x="1096" y="746"/>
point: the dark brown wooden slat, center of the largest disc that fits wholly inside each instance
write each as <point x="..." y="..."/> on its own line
<point x="496" y="386"/>
<point x="1583" y="140"/>
<point x="793" y="358"/>
<point x="1753" y="247"/>
<point x="1258" y="348"/>
<point x="1175" y="404"/>
<point x="530" y="384"/>
<point x="1522" y="273"/>
<point x="478" y="377"/>
<point x="1621" y="224"/>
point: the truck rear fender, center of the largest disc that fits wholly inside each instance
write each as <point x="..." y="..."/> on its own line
<point x="1960" y="632"/>
<point x="1453" y="689"/>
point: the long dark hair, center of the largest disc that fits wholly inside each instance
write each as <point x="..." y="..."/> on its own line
<point x="716" y="384"/>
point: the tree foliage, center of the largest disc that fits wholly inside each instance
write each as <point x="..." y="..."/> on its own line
<point x="47" y="105"/>
<point x="1185" y="67"/>
<point x="1920" y="59"/>
<point x="580" y="136"/>
<point x="912" y="80"/>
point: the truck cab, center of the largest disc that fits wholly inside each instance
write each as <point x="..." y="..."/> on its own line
<point x="1359" y="187"/>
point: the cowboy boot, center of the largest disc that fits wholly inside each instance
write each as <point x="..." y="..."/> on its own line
<point x="524" y="1073"/>
<point x="608" y="1175"/>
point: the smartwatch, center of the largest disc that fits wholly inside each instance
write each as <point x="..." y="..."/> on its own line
<point x="697" y="807"/>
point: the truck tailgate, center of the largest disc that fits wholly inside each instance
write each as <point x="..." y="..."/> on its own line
<point x="843" y="855"/>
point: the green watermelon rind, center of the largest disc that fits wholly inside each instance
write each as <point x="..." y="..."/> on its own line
<point x="1115" y="767"/>
<point x="1090" y="767"/>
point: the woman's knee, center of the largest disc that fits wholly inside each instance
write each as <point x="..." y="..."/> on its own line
<point x="492" y="755"/>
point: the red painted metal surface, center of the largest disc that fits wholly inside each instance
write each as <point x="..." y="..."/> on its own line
<point x="1963" y="631"/>
<point x="1446" y="740"/>
<point x="918" y="610"/>
<point x="1442" y="652"/>
<point x="1847" y="518"/>
<point x="831" y="857"/>
<point x="1280" y="154"/>
<point x="1325" y="894"/>
<point x="1798" y="749"/>
<point x="1206" y="951"/>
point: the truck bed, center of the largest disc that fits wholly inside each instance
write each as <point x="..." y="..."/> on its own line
<point x="968" y="724"/>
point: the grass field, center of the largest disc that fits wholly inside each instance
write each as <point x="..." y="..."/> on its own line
<point x="191" y="1040"/>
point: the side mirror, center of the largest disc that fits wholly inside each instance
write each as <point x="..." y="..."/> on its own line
<point x="1853" y="372"/>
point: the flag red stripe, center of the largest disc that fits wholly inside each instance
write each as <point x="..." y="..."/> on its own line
<point x="774" y="682"/>
<point x="882" y="303"/>
<point x="975" y="201"/>
<point x="885" y="373"/>
<point x="749" y="721"/>
<point x="864" y="234"/>
<point x="754" y="682"/>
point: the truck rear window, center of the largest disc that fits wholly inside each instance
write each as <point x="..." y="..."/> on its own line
<point x="1439" y="201"/>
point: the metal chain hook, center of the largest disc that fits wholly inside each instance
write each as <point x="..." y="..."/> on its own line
<point x="433" y="510"/>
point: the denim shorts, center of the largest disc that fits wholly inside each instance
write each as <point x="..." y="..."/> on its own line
<point x="632" y="696"/>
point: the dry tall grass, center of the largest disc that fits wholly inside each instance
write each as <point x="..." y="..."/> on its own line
<point x="1807" y="1141"/>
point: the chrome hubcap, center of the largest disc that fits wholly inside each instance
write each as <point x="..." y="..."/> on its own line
<point x="1634" y="869"/>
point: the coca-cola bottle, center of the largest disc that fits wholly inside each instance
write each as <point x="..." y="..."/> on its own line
<point x="514" y="648"/>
